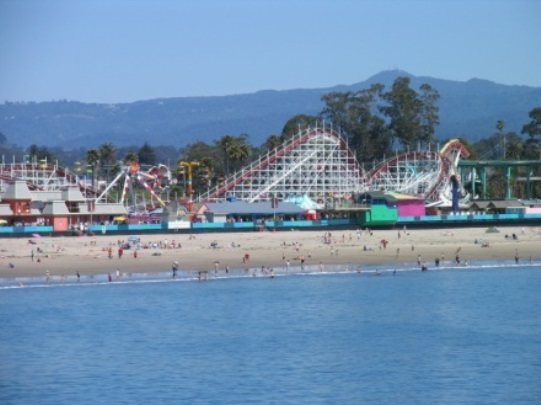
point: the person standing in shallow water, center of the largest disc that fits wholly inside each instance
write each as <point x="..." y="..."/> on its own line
<point x="516" y="256"/>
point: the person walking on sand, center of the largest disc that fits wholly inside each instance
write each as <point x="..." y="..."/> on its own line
<point x="109" y="277"/>
<point x="78" y="277"/>
<point x="47" y="276"/>
<point x="32" y="254"/>
<point x="516" y="256"/>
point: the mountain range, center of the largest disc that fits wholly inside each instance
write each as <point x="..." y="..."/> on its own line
<point x="468" y="109"/>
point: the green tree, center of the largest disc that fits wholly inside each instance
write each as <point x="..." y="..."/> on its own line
<point x="92" y="159"/>
<point x="296" y="123"/>
<point x="352" y="114"/>
<point x="227" y="144"/>
<point x="240" y="153"/>
<point x="515" y="146"/>
<point x="500" y="125"/>
<point x="429" y="112"/>
<point x="533" y="129"/>
<point x="147" y="155"/>
<point x="404" y="109"/>
<point x="235" y="150"/>
<point x="130" y="157"/>
<point x="40" y="154"/>
<point x="108" y="159"/>
<point x="272" y="142"/>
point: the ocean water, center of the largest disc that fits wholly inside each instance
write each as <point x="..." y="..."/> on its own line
<point x="451" y="336"/>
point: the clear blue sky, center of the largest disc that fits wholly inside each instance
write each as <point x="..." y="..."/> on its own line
<point x="127" y="50"/>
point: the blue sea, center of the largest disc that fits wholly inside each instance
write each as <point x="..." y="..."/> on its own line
<point x="447" y="336"/>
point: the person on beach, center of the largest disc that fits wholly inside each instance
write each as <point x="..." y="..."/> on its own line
<point x="47" y="276"/>
<point x="175" y="268"/>
<point x="78" y="277"/>
<point x="110" y="251"/>
<point x="437" y="262"/>
<point x="32" y="254"/>
<point x="109" y="277"/>
<point x="516" y="256"/>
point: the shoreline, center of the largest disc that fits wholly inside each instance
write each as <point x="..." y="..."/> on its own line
<point x="65" y="256"/>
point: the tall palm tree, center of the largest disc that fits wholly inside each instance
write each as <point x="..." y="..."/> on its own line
<point x="131" y="157"/>
<point x="500" y="126"/>
<point x="272" y="142"/>
<point x="107" y="158"/>
<point x="227" y="144"/>
<point x="92" y="159"/>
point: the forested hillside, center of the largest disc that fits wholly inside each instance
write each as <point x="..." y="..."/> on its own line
<point x="467" y="109"/>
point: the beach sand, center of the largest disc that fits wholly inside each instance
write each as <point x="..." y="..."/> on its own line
<point x="88" y="255"/>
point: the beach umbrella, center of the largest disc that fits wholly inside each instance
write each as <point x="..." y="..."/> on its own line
<point x="36" y="235"/>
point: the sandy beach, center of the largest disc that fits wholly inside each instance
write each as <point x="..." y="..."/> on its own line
<point x="90" y="255"/>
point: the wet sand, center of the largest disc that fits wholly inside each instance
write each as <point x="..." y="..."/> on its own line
<point x="89" y="255"/>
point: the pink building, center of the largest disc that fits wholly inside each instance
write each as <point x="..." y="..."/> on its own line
<point x="407" y="205"/>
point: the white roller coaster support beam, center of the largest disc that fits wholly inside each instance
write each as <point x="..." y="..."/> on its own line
<point x="110" y="185"/>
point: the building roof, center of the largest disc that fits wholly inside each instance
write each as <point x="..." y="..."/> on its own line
<point x="109" y="209"/>
<point x="389" y="196"/>
<point x="482" y="205"/>
<point x="392" y="195"/>
<point x="40" y="195"/>
<point x="5" y="209"/>
<point x="17" y="190"/>
<point x="57" y="207"/>
<point x="246" y="208"/>
<point x="498" y="204"/>
<point x="72" y="194"/>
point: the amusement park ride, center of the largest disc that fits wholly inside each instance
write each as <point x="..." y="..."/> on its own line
<point x="316" y="163"/>
<point x="154" y="180"/>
